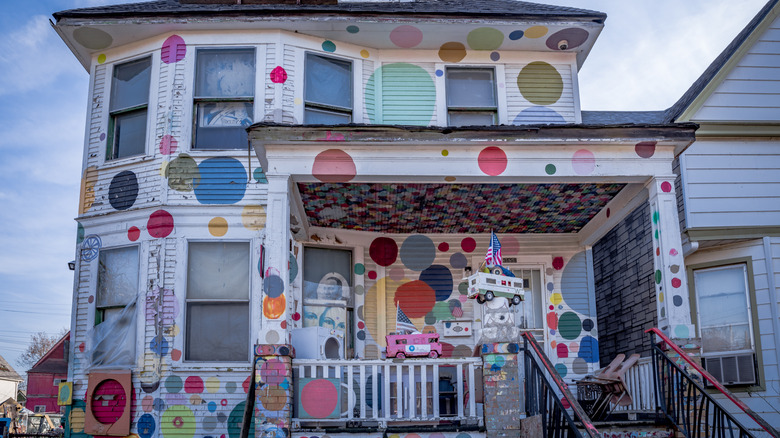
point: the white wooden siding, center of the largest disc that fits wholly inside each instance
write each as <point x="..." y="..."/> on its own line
<point x="730" y="183"/>
<point x="516" y="103"/>
<point x="288" y="88"/>
<point x="751" y="91"/>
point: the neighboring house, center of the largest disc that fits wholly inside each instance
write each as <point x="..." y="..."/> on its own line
<point x="44" y="378"/>
<point x="9" y="381"/>
<point x="386" y="141"/>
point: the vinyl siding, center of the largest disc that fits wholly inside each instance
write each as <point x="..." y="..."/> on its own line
<point x="516" y="103"/>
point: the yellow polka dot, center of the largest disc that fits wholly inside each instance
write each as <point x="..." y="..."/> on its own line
<point x="364" y="53"/>
<point x="173" y="330"/>
<point x="253" y="217"/>
<point x="445" y="152"/>
<point x="556" y="298"/>
<point x="661" y="297"/>
<point x="101" y="58"/>
<point x="164" y="168"/>
<point x="297" y="101"/>
<point x="449" y="178"/>
<point x="218" y="227"/>
<point x="212" y="384"/>
<point x="535" y="32"/>
<point x="77" y="420"/>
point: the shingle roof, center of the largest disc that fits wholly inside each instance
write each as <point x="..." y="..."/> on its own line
<point x="504" y="8"/>
<point x="623" y="117"/>
<point x="698" y="86"/>
<point x="7" y="372"/>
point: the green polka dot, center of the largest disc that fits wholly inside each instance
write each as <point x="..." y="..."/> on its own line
<point x="569" y="325"/>
<point x="540" y="83"/>
<point x="178" y="422"/>
<point x="430" y="318"/>
<point x="658" y="276"/>
<point x="463" y="288"/>
<point x="485" y="38"/>
<point x="408" y="95"/>
<point x="562" y="369"/>
<point x="328" y="46"/>
<point x="656" y="216"/>
<point x="682" y="332"/>
<point x="360" y="269"/>
<point x="442" y="311"/>
<point x="79" y="234"/>
<point x="656" y="234"/>
<point x="293" y="268"/>
<point x="550" y="169"/>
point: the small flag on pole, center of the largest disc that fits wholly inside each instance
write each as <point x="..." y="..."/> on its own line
<point x="403" y="323"/>
<point x="493" y="255"/>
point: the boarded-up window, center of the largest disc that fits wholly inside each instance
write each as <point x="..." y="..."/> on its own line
<point x="128" y="109"/>
<point x="117" y="282"/>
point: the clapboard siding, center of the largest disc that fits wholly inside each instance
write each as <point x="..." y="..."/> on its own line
<point x="516" y="103"/>
<point x="406" y="102"/>
<point x="369" y="96"/>
<point x="751" y="90"/>
<point x="732" y="183"/>
<point x="270" y="88"/>
<point x="288" y="91"/>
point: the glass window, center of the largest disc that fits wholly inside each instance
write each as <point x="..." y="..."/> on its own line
<point x="723" y="308"/>
<point x="327" y="291"/>
<point x="128" y="109"/>
<point x="218" y="301"/>
<point x="327" y="90"/>
<point x="471" y="96"/>
<point x="117" y="282"/>
<point x="224" y="98"/>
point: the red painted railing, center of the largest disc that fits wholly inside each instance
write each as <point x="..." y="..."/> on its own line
<point x="714" y="382"/>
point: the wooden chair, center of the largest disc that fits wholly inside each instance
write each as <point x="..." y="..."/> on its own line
<point x="607" y="386"/>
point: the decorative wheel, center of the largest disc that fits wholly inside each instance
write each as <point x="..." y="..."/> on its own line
<point x="480" y="299"/>
<point x="400" y="356"/>
<point x="489" y="295"/>
<point x="433" y="355"/>
<point x="90" y="247"/>
<point x="516" y="300"/>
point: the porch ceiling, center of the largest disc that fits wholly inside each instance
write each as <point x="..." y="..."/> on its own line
<point x="455" y="208"/>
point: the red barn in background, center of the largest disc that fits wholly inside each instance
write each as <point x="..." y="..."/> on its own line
<point x="44" y="377"/>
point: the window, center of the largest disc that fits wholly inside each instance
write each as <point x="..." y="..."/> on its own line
<point x="117" y="283"/>
<point x="725" y="324"/>
<point x="218" y="302"/>
<point x="224" y="96"/>
<point x="128" y="108"/>
<point x="327" y="90"/>
<point x="327" y="292"/>
<point x="471" y="97"/>
<point x="40" y="409"/>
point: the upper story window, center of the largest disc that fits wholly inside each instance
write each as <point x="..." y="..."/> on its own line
<point x="217" y="302"/>
<point x="128" y="109"/>
<point x="117" y="282"/>
<point x="471" y="97"/>
<point x="224" y="98"/>
<point x="327" y="90"/>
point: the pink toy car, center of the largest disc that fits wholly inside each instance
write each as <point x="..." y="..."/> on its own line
<point x="420" y="344"/>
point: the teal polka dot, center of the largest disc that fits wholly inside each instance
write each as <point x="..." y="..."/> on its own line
<point x="353" y="29"/>
<point x="682" y="332"/>
<point x="360" y="269"/>
<point x="562" y="369"/>
<point x="329" y="46"/>
<point x="569" y="325"/>
<point x="550" y="169"/>
<point x="259" y="175"/>
<point x="408" y="95"/>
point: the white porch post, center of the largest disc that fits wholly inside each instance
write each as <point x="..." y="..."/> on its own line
<point x="671" y="283"/>
<point x="276" y="284"/>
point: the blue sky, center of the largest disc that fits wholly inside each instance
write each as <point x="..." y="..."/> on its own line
<point x="647" y="56"/>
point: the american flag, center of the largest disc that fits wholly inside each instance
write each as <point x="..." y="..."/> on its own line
<point x="403" y="323"/>
<point x="493" y="255"/>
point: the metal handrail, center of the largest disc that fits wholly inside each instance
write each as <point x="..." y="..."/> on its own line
<point x="706" y="412"/>
<point x="542" y="399"/>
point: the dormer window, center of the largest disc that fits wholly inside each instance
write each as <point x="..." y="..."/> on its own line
<point x="224" y="98"/>
<point x="128" y="109"/>
<point x="327" y="90"/>
<point x="471" y="97"/>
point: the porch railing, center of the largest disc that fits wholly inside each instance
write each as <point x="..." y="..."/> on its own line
<point x="639" y="382"/>
<point x="688" y="405"/>
<point x="545" y="392"/>
<point x="412" y="390"/>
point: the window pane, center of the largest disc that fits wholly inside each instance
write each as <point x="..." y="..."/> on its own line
<point x="327" y="274"/>
<point x="470" y="88"/>
<point x="130" y="86"/>
<point x="461" y="118"/>
<point x="217" y="332"/>
<point x="117" y="276"/>
<point x="317" y="117"/>
<point x="328" y="81"/>
<point x="728" y="338"/>
<point x="724" y="319"/>
<point x="332" y="317"/>
<point x="129" y="134"/>
<point x="225" y="73"/>
<point x="218" y="270"/>
<point x="222" y="125"/>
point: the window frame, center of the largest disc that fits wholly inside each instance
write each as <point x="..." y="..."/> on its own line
<point x="186" y="301"/>
<point x="753" y="314"/>
<point x="197" y="100"/>
<point x="326" y="108"/>
<point x="493" y="110"/>
<point x="100" y="310"/>
<point x="111" y="152"/>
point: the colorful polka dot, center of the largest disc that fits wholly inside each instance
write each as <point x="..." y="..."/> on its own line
<point x="360" y="268"/>
<point x="645" y="149"/>
<point x="91" y="38"/>
<point x="328" y="46"/>
<point x="444" y="247"/>
<point x="133" y="233"/>
<point x="417" y="252"/>
<point x="468" y="244"/>
<point x="666" y="187"/>
<point x="452" y="52"/>
<point x="536" y="32"/>
<point x="492" y="161"/>
<point x="439" y="72"/>
<point x="550" y="169"/>
<point x="583" y="162"/>
<point x="278" y="75"/>
<point x="516" y="35"/>
<point x="406" y="36"/>
<point x="333" y="166"/>
<point x="168" y="145"/>
<point x="556" y="298"/>
<point x="415" y="298"/>
<point x="397" y="274"/>
<point x="101" y="58"/>
<point x="364" y="53"/>
<point x="557" y="263"/>
<point x="273" y="308"/>
<point x="372" y="275"/>
<point x="485" y="38"/>
<point x="569" y="325"/>
<point x="495" y="56"/>
<point x="160" y="224"/>
<point x="173" y="49"/>
<point x="353" y="29"/>
<point x="383" y="251"/>
<point x="445" y="152"/>
<point x="540" y="83"/>
<point x="215" y="175"/>
<point x="218" y="226"/>
<point x="573" y="37"/>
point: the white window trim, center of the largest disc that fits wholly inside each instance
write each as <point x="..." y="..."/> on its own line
<point x="299" y="108"/>
<point x="499" y="76"/>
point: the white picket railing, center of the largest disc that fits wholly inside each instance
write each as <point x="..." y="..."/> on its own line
<point x="412" y="390"/>
<point x="639" y="381"/>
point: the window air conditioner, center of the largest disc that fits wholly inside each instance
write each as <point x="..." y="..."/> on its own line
<point x="737" y="369"/>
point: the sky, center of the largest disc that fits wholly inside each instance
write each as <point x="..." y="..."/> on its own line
<point x="648" y="54"/>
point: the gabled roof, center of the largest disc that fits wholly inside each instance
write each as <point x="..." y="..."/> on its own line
<point x="7" y="372"/>
<point x="717" y="65"/>
<point x="623" y="117"/>
<point x="505" y="8"/>
<point x="47" y="364"/>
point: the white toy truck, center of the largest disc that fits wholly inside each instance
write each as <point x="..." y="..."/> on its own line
<point x="485" y="286"/>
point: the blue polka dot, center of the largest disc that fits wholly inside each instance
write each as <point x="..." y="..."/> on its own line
<point x="439" y="73"/>
<point x="516" y="35"/>
<point x="212" y="406"/>
<point x="221" y="181"/>
<point x="495" y="56"/>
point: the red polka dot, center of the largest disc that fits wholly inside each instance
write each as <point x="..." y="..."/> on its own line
<point x="278" y="75"/>
<point x="319" y="398"/>
<point x="361" y="325"/>
<point x="658" y="251"/>
<point x="333" y="166"/>
<point x="372" y="275"/>
<point x="160" y="224"/>
<point x="193" y="385"/>
<point x="173" y="49"/>
<point x="81" y="347"/>
<point x="415" y="298"/>
<point x="558" y="263"/>
<point x="552" y="307"/>
<point x="296" y="316"/>
<point x="383" y="251"/>
<point x="175" y="354"/>
<point x="168" y="145"/>
<point x="608" y="213"/>
<point x="666" y="187"/>
<point x="133" y="233"/>
<point x="676" y="282"/>
<point x="283" y="325"/>
<point x="562" y="350"/>
<point x="468" y="244"/>
<point x="492" y="161"/>
<point x="444" y="247"/>
<point x="246" y="383"/>
<point x="91" y="298"/>
<point x="645" y="149"/>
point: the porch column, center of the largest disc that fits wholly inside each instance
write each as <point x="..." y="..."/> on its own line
<point x="276" y="295"/>
<point x="671" y="283"/>
<point x="273" y="390"/>
<point x="500" y="374"/>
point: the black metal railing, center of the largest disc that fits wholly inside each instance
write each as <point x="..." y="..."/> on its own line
<point x="543" y="385"/>
<point x="686" y="403"/>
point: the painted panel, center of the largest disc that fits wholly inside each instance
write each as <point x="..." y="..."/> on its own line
<point x="539" y="93"/>
<point x="408" y="95"/>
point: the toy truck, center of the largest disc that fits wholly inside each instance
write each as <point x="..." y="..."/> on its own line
<point x="418" y="344"/>
<point x="484" y="286"/>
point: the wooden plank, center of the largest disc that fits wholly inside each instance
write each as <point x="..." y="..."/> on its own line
<point x="703" y="176"/>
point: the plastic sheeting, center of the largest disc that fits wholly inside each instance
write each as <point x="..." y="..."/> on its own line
<point x="112" y="342"/>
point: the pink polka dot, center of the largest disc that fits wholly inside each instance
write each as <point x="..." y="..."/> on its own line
<point x="133" y="233"/>
<point x="492" y="161"/>
<point x="406" y="36"/>
<point x="676" y="282"/>
<point x="319" y="398"/>
<point x="333" y="166"/>
<point x="168" y="145"/>
<point x="444" y="247"/>
<point x="175" y="355"/>
<point x="645" y="149"/>
<point x="583" y="162"/>
<point x="160" y="224"/>
<point x="193" y="385"/>
<point x="673" y="252"/>
<point x="562" y="350"/>
<point x="397" y="274"/>
<point x="666" y="187"/>
<point x="468" y="244"/>
<point x="372" y="275"/>
<point x="278" y="75"/>
<point x="361" y="325"/>
<point x="173" y="49"/>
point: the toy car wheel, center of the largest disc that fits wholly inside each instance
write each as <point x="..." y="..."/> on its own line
<point x="400" y="356"/>
<point x="489" y="295"/>
<point x="480" y="299"/>
<point x="516" y="300"/>
<point x="433" y="355"/>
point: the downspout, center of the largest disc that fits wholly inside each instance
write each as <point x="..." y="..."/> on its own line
<point x="770" y="279"/>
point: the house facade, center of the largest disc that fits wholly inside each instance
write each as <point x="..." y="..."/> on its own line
<point x="9" y="381"/>
<point x="44" y="378"/>
<point x="270" y="189"/>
